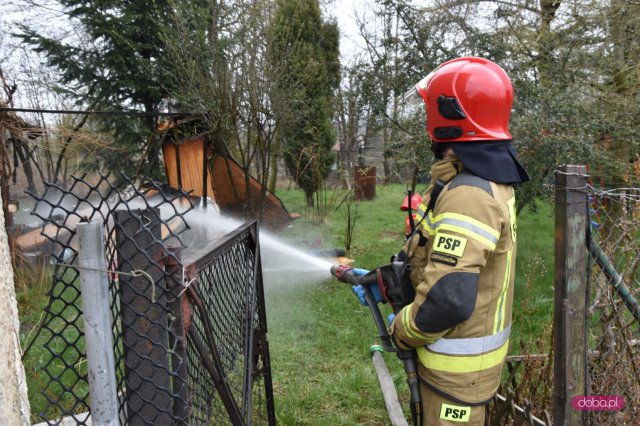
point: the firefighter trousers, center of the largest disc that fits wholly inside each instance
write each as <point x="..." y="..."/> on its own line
<point x="440" y="411"/>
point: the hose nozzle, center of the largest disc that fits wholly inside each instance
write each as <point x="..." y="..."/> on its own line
<point x="340" y="271"/>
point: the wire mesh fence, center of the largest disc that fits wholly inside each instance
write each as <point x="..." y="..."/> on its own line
<point x="614" y="339"/>
<point x="611" y="315"/>
<point x="189" y="327"/>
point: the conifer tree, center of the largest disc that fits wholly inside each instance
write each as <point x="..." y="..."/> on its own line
<point x="305" y="51"/>
<point x="115" y="63"/>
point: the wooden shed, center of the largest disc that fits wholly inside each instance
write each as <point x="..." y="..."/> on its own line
<point x="192" y="166"/>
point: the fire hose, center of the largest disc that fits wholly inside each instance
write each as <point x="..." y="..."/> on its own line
<point x="347" y="275"/>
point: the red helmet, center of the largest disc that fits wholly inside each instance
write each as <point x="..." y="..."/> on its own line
<point x="467" y="99"/>
<point x="416" y="200"/>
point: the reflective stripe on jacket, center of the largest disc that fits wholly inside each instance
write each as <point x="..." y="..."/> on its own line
<point x="461" y="317"/>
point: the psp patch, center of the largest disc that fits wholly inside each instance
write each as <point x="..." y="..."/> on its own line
<point x="455" y="413"/>
<point x="449" y="244"/>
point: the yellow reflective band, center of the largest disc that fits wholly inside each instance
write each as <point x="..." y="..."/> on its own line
<point x="498" y="322"/>
<point x="461" y="224"/>
<point x="429" y="220"/>
<point x="455" y="413"/>
<point x="425" y="220"/>
<point x="471" y="221"/>
<point x="470" y="345"/>
<point x="467" y="226"/>
<point x="406" y="324"/>
<point x="464" y="231"/>
<point x="512" y="217"/>
<point x="462" y="364"/>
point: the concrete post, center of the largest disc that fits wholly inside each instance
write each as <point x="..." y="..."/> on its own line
<point x="97" y="325"/>
<point x="14" y="403"/>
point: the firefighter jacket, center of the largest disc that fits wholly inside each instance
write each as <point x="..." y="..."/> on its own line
<point x="463" y="274"/>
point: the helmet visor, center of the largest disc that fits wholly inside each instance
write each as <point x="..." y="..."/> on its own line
<point x="412" y="98"/>
<point x="417" y="94"/>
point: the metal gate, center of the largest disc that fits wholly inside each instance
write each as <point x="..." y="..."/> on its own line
<point x="189" y="329"/>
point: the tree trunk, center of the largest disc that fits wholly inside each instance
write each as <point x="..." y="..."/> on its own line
<point x="22" y="152"/>
<point x="273" y="170"/>
<point x="622" y="151"/>
<point x="546" y="42"/>
<point x="5" y="176"/>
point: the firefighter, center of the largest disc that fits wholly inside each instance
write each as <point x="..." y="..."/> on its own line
<point x="464" y="251"/>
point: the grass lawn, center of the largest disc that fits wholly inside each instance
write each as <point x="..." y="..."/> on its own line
<point x="39" y="364"/>
<point x="320" y="336"/>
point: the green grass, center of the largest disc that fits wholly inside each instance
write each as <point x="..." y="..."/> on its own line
<point x="379" y="226"/>
<point x="533" y="298"/>
<point x="31" y="288"/>
<point x="320" y="336"/>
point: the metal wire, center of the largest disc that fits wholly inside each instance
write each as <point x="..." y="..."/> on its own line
<point x="136" y="273"/>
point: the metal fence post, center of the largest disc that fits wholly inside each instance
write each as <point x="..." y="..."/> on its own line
<point x="144" y="318"/>
<point x="569" y="336"/>
<point x="180" y="309"/>
<point x="261" y="330"/>
<point x="97" y="325"/>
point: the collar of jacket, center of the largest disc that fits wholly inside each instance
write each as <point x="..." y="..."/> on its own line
<point x="445" y="170"/>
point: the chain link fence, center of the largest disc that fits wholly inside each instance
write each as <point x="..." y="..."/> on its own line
<point x="189" y="323"/>
<point x="614" y="315"/>
<point x="610" y="313"/>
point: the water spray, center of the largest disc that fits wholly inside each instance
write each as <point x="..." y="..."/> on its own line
<point x="282" y="263"/>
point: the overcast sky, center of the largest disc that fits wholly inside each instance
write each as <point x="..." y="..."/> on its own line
<point x="346" y="13"/>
